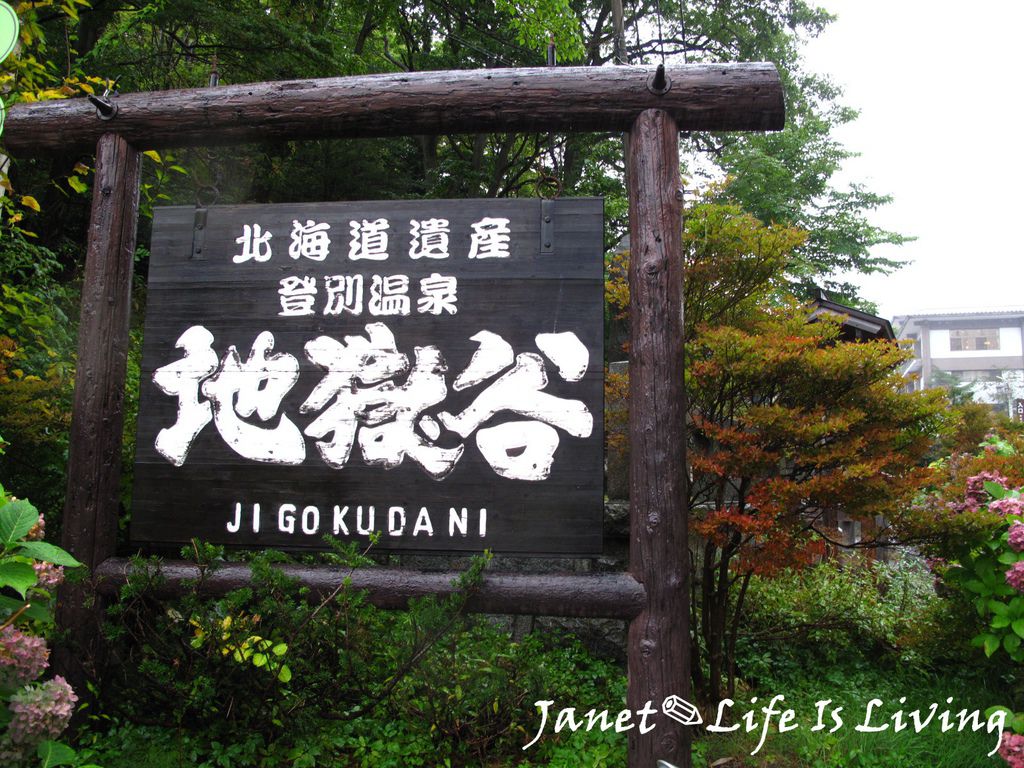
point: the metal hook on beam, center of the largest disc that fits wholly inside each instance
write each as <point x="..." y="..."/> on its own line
<point x="659" y="83"/>
<point x="106" y="109"/>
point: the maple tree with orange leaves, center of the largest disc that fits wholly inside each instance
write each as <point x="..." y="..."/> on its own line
<point x="788" y="427"/>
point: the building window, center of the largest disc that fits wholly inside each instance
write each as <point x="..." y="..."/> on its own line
<point x="968" y="377"/>
<point x="971" y="340"/>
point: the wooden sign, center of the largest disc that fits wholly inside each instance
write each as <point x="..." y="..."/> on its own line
<point x="428" y="372"/>
<point x="1018" y="410"/>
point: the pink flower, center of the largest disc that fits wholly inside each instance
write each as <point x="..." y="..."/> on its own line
<point x="48" y="575"/>
<point x="23" y="657"/>
<point x="1012" y="749"/>
<point x="41" y="712"/>
<point x="976" y="495"/>
<point x="1016" y="537"/>
<point x="1007" y="506"/>
<point x="1015" y="576"/>
<point x="37" y="531"/>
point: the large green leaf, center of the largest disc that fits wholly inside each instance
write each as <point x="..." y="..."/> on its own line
<point x="16" y="519"/>
<point x="995" y="490"/>
<point x="975" y="586"/>
<point x="35" y="611"/>
<point x="1018" y="627"/>
<point x="18" y="576"/>
<point x="53" y="753"/>
<point x="1008" y="558"/>
<point x="991" y="643"/>
<point x="1011" y="643"/>
<point x="40" y="550"/>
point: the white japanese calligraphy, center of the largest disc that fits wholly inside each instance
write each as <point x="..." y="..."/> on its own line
<point x="390" y="435"/>
<point x="255" y="244"/>
<point x="368" y="361"/>
<point x="369" y="240"/>
<point x="429" y="238"/>
<point x="310" y="240"/>
<point x="298" y="294"/>
<point x="389" y="295"/>
<point x="344" y="294"/>
<point x="490" y="239"/>
<point x="181" y="379"/>
<point x="387" y="413"/>
<point x="492" y="357"/>
<point x="257" y="386"/>
<point x="567" y="352"/>
<point x="519" y="450"/>
<point x="360" y="399"/>
<point x="437" y="295"/>
<point x="528" y="451"/>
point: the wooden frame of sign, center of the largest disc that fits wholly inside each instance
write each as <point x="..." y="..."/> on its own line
<point x="652" y="106"/>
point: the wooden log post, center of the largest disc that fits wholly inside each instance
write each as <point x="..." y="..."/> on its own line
<point x="89" y="528"/>
<point x="659" y="663"/>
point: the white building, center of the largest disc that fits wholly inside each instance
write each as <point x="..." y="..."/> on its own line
<point x="982" y="349"/>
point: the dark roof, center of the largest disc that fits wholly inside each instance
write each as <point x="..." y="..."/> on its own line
<point x="856" y="324"/>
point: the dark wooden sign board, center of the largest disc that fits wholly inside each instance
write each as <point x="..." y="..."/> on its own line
<point x="653" y="105"/>
<point x="373" y="303"/>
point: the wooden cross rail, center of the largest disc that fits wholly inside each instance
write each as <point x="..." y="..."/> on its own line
<point x="654" y="595"/>
<point x="597" y="596"/>
<point x="723" y="97"/>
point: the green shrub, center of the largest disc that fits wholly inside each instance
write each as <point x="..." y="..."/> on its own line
<point x="841" y="613"/>
<point x="266" y="676"/>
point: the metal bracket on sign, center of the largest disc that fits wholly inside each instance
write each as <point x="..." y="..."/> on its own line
<point x="198" y="233"/>
<point x="547" y="226"/>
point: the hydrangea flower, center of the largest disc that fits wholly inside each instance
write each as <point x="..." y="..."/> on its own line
<point x="1016" y="537"/>
<point x="1012" y="749"/>
<point x="1007" y="506"/>
<point x="37" y="531"/>
<point x="1015" y="576"/>
<point x="40" y="712"/>
<point x="48" y="575"/>
<point x="23" y="657"/>
<point x="976" y="495"/>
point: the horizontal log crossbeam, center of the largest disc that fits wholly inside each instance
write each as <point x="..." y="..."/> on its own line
<point x="599" y="595"/>
<point x="719" y="97"/>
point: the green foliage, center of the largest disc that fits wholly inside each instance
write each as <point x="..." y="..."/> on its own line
<point x="267" y="656"/>
<point x="946" y="518"/>
<point x="535" y="20"/>
<point x="36" y="365"/>
<point x="734" y="266"/>
<point x="22" y="559"/>
<point x="837" y="613"/>
<point x="983" y="571"/>
<point x="851" y="631"/>
<point x="369" y="688"/>
<point x="19" y="518"/>
<point x="786" y="177"/>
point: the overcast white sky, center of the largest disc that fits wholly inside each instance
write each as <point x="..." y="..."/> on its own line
<point x="940" y="87"/>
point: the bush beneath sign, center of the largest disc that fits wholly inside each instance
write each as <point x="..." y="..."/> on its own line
<point x="367" y="686"/>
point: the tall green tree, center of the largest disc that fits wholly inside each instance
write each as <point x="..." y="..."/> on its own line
<point x="785" y="177"/>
